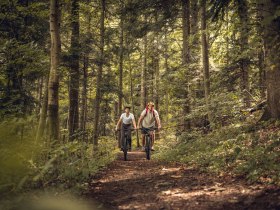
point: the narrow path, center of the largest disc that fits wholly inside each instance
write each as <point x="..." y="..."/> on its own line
<point x="142" y="184"/>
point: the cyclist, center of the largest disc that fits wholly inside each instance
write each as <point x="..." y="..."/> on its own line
<point x="126" y="120"/>
<point x="148" y="117"/>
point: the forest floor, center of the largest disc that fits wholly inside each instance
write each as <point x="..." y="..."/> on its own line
<point x="142" y="184"/>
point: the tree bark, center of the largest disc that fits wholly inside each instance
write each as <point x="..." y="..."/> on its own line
<point x="144" y="73"/>
<point x="83" y="116"/>
<point x="43" y="112"/>
<point x="74" y="71"/>
<point x="186" y="57"/>
<point x="53" y="85"/>
<point x="121" y="66"/>
<point x="244" y="46"/>
<point x="271" y="24"/>
<point x="205" y="57"/>
<point x="99" y="75"/>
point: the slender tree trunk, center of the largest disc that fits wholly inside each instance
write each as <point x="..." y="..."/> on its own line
<point x="40" y="94"/>
<point x="53" y="77"/>
<point x="131" y="89"/>
<point x="43" y="112"/>
<point x="272" y="55"/>
<point x="186" y="57"/>
<point x="74" y="71"/>
<point x="261" y="55"/>
<point x="121" y="66"/>
<point x="84" y="106"/>
<point x="143" y="74"/>
<point x="83" y="116"/>
<point x="156" y="68"/>
<point x="99" y="75"/>
<point x="244" y="46"/>
<point x="205" y="57"/>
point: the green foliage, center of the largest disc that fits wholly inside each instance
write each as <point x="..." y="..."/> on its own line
<point x="234" y="149"/>
<point x="27" y="163"/>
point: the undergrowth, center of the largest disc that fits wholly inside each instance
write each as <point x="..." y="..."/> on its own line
<point x="27" y="164"/>
<point x="250" y="151"/>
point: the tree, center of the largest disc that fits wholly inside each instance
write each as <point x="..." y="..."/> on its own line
<point x="205" y="57"/>
<point x="121" y="49"/>
<point x="186" y="56"/>
<point x="271" y="22"/>
<point x="99" y="74"/>
<point x="53" y="84"/>
<point x="74" y="71"/>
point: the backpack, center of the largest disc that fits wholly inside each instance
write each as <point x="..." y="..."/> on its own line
<point x="147" y="112"/>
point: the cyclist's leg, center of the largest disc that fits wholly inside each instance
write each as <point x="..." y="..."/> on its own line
<point x="129" y="137"/>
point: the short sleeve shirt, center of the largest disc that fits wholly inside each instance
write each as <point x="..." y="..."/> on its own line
<point x="127" y="119"/>
<point x="150" y="119"/>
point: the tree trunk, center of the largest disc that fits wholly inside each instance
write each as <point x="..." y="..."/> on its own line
<point x="244" y="46"/>
<point x="205" y="57"/>
<point x="53" y="77"/>
<point x="83" y="116"/>
<point x="121" y="66"/>
<point x="261" y="55"/>
<point x="43" y="112"/>
<point x="186" y="57"/>
<point x="74" y="71"/>
<point x="143" y="74"/>
<point x="99" y="75"/>
<point x="272" y="57"/>
<point x="156" y="68"/>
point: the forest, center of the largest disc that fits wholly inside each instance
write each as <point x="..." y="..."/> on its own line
<point x="70" y="67"/>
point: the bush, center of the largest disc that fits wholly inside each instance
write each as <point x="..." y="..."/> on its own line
<point x="233" y="149"/>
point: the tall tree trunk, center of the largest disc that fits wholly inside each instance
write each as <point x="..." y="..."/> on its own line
<point x="186" y="57"/>
<point x="244" y="46"/>
<point x="261" y="55"/>
<point x="99" y="75"/>
<point x="272" y="57"/>
<point x="131" y="88"/>
<point x="144" y="73"/>
<point x="74" y="71"/>
<point x="84" y="106"/>
<point x="156" y="68"/>
<point x="43" y="112"/>
<point x="83" y="116"/>
<point x="121" y="65"/>
<point x="53" y="77"/>
<point x="205" y="57"/>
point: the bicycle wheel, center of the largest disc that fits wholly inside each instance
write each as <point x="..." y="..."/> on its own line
<point x="148" y="148"/>
<point x="125" y="149"/>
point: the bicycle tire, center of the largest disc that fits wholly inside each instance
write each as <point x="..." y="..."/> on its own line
<point x="125" y="149"/>
<point x="148" y="148"/>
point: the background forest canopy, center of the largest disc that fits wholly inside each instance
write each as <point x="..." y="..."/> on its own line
<point x="68" y="67"/>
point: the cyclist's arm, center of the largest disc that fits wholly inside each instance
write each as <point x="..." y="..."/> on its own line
<point x="157" y="119"/>
<point x="158" y="122"/>
<point x="117" y="126"/>
<point x="139" y="121"/>
<point x="134" y="124"/>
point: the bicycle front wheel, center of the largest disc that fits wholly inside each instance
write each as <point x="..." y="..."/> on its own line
<point x="148" y="148"/>
<point x="125" y="149"/>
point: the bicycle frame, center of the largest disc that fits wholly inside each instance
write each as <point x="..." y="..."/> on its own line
<point x="148" y="139"/>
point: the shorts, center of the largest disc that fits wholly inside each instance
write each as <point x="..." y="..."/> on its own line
<point x="145" y="130"/>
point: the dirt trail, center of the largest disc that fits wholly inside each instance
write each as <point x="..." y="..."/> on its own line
<point x="142" y="184"/>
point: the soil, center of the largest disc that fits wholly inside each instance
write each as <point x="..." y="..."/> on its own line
<point x="142" y="184"/>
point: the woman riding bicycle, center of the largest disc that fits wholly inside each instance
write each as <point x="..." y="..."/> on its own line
<point x="126" y="120"/>
<point x="148" y="117"/>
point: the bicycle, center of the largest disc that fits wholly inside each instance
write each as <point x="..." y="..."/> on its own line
<point x="148" y="141"/>
<point x="126" y="145"/>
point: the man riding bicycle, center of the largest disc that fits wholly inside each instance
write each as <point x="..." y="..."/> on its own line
<point x="148" y="117"/>
<point x="126" y="119"/>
